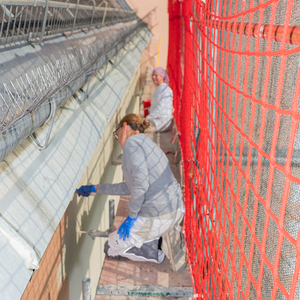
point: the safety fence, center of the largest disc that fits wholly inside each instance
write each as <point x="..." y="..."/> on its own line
<point x="234" y="69"/>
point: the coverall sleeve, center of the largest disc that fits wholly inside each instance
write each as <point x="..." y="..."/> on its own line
<point x="163" y="103"/>
<point x="113" y="189"/>
<point x="138" y="170"/>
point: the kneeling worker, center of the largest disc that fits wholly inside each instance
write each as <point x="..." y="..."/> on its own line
<point x="156" y="200"/>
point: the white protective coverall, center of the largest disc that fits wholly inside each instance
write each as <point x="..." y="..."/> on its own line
<point x="156" y="200"/>
<point x="160" y="111"/>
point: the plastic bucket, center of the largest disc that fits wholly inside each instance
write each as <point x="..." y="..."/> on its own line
<point x="146" y="103"/>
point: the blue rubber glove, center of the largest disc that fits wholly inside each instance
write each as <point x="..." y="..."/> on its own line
<point x="85" y="190"/>
<point x="124" y="229"/>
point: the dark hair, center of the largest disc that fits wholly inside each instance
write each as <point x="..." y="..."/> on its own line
<point x="136" y="122"/>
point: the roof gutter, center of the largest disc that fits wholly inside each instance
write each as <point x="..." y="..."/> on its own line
<point x="31" y="101"/>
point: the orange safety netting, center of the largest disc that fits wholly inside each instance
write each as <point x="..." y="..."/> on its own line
<point x="234" y="71"/>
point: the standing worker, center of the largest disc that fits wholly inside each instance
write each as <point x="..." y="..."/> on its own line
<point x="156" y="200"/>
<point x="161" y="108"/>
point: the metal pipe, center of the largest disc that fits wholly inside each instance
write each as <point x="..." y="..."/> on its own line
<point x="77" y="4"/>
<point x="28" y="29"/>
<point x="15" y="20"/>
<point x="20" y="19"/>
<point x="113" y="16"/>
<point x="34" y="22"/>
<point x="111" y="213"/>
<point x="2" y="23"/>
<point x="8" y="23"/>
<point x="94" y="4"/>
<point x="55" y="4"/>
<point x="25" y="19"/>
<point x="44" y="21"/>
<point x="103" y="19"/>
<point x="86" y="289"/>
<point x="52" y="21"/>
<point x="33" y="136"/>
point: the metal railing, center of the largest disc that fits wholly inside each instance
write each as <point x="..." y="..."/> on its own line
<point x="29" y="91"/>
<point x="33" y="20"/>
<point x="31" y="100"/>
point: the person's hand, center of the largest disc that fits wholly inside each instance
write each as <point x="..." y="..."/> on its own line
<point x="85" y="190"/>
<point x="125" y="228"/>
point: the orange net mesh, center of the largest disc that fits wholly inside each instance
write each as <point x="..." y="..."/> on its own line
<point x="234" y="71"/>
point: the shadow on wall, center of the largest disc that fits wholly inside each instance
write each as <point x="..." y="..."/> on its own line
<point x="85" y="214"/>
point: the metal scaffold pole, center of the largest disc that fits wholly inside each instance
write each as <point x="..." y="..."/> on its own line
<point x="86" y="289"/>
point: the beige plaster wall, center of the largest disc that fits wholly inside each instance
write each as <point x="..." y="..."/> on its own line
<point x="72" y="255"/>
<point x="155" y="14"/>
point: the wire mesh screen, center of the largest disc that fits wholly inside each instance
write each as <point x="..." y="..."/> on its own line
<point x="237" y="109"/>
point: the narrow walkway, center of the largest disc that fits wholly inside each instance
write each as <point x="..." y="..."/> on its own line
<point x="125" y="279"/>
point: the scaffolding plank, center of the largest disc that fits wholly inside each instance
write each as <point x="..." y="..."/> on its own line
<point x="145" y="291"/>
